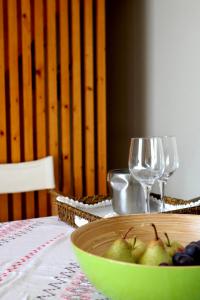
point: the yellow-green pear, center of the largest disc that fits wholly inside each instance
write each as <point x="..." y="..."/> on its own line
<point x="172" y="247"/>
<point x="155" y="253"/>
<point x="138" y="247"/>
<point x="120" y="250"/>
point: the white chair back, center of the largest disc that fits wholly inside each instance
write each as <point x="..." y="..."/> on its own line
<point x="27" y="176"/>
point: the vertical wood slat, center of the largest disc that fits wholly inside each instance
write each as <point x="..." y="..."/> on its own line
<point x="52" y="84"/>
<point x="77" y="101"/>
<point x="27" y="95"/>
<point x="41" y="141"/>
<point x="101" y="96"/>
<point x="89" y="98"/>
<point x="3" y="132"/>
<point x="14" y="96"/>
<point x="65" y="96"/>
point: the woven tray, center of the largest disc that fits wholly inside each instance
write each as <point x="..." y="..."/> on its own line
<point x="67" y="213"/>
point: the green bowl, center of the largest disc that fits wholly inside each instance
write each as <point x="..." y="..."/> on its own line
<point x="128" y="281"/>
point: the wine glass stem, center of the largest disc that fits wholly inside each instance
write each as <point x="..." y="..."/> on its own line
<point x="147" y="190"/>
<point x="162" y="194"/>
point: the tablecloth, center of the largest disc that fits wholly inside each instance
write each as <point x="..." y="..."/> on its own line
<point x="37" y="262"/>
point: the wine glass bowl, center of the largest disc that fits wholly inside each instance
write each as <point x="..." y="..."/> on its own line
<point x="146" y="163"/>
<point x="170" y="156"/>
<point x="171" y="163"/>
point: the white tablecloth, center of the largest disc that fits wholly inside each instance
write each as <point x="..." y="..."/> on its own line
<point x="37" y="262"/>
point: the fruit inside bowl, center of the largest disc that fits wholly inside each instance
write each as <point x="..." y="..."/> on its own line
<point x="132" y="257"/>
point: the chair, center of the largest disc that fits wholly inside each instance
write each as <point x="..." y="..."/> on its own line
<point x="25" y="177"/>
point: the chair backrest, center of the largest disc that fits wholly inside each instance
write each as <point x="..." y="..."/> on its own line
<point x="27" y="176"/>
<point x="24" y="189"/>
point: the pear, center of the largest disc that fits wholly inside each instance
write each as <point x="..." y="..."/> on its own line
<point x="120" y="250"/>
<point x="138" y="247"/>
<point x="172" y="247"/>
<point x="155" y="253"/>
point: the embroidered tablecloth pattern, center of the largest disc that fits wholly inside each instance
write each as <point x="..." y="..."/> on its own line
<point x="37" y="262"/>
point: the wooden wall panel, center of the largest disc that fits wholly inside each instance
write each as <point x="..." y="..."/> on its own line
<point x="40" y="100"/>
<point x="53" y="101"/>
<point x="101" y="96"/>
<point x="76" y="98"/>
<point x="14" y="96"/>
<point x="65" y="96"/>
<point x="89" y="125"/>
<point x="27" y="95"/>
<point x="3" y="131"/>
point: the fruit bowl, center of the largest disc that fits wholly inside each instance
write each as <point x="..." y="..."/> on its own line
<point x="129" y="281"/>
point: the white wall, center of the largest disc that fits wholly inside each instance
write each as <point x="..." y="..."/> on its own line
<point x="161" y="90"/>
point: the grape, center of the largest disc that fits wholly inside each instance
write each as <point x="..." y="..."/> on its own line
<point x="183" y="259"/>
<point x="197" y="242"/>
<point x="193" y="250"/>
<point x="194" y="242"/>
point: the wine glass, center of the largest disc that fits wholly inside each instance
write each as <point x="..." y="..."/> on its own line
<point x="146" y="163"/>
<point x="171" y="164"/>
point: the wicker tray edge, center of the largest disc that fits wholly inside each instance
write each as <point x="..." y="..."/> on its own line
<point x="67" y="213"/>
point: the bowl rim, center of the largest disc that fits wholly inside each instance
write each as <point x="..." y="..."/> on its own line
<point x="171" y="267"/>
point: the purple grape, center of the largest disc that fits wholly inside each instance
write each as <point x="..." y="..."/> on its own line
<point x="194" y="242"/>
<point x="183" y="259"/>
<point x="194" y="251"/>
<point x="197" y="242"/>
